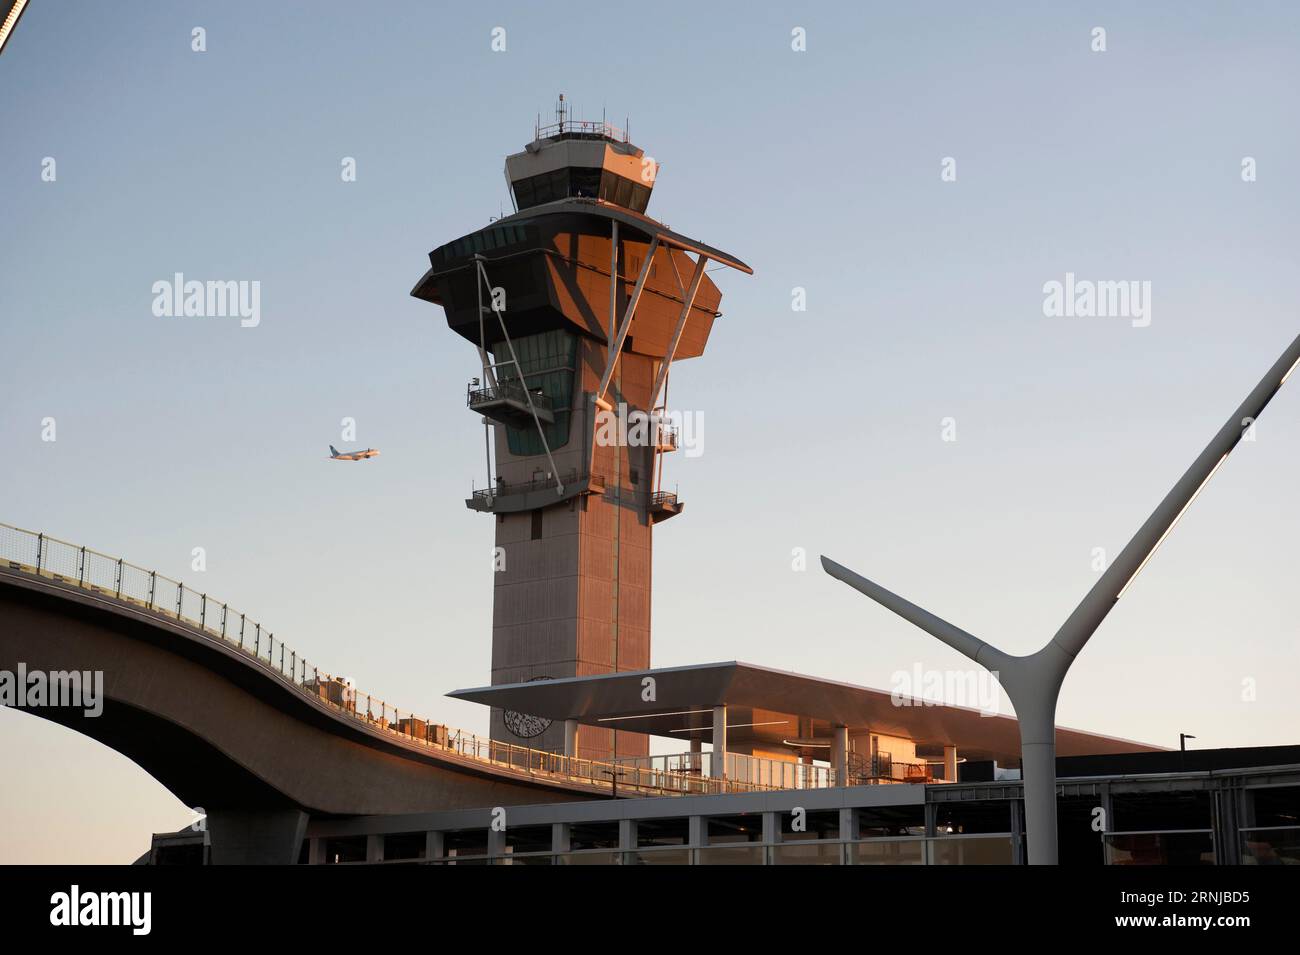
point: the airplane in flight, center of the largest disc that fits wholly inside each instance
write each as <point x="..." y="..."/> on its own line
<point x="337" y="455"/>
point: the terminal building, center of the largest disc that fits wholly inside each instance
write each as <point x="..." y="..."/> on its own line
<point x="577" y="305"/>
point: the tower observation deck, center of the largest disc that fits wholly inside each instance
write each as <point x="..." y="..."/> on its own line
<point x="578" y="303"/>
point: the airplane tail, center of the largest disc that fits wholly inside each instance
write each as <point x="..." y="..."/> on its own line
<point x="334" y="452"/>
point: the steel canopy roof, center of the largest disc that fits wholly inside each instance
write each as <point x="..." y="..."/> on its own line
<point x="757" y="697"/>
<point x="634" y="220"/>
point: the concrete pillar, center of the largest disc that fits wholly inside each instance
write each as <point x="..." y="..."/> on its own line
<point x="1017" y="831"/>
<point x="718" y="763"/>
<point x="1107" y="806"/>
<point x="840" y="755"/>
<point x="374" y="848"/>
<point x="435" y="846"/>
<point x="1248" y="817"/>
<point x="696" y="833"/>
<point x="496" y="841"/>
<point x="627" y="834"/>
<point x="561" y="837"/>
<point x="1225" y="823"/>
<point x="848" y="823"/>
<point x="570" y="737"/>
<point x="316" y="852"/>
<point x="697" y="760"/>
<point x="771" y="836"/>
<point x="950" y="764"/>
<point x="256" y="837"/>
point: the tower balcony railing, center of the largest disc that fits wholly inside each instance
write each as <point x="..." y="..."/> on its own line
<point x="665" y="438"/>
<point x="584" y="128"/>
<point x="483" y="498"/>
<point x="504" y="488"/>
<point x="509" y="402"/>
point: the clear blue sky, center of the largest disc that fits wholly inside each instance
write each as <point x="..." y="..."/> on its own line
<point x="822" y="428"/>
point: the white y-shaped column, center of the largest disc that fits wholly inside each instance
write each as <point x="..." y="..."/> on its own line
<point x="1033" y="682"/>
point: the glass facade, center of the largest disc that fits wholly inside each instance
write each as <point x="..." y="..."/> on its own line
<point x="581" y="182"/>
<point x="1279" y="846"/>
<point x="972" y="850"/>
<point x="735" y="854"/>
<point x="888" y="852"/>
<point x="548" y="362"/>
<point x="488" y="240"/>
<point x="1160" y="848"/>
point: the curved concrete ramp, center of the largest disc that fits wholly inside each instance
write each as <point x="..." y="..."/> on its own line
<point x="224" y="732"/>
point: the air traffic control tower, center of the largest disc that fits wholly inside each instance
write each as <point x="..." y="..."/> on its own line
<point x="578" y="304"/>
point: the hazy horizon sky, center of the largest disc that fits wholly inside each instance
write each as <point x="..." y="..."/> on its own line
<point x="822" y="428"/>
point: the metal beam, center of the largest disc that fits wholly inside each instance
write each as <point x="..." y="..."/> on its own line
<point x="616" y="345"/>
<point x="489" y="377"/>
<point x="613" y="288"/>
<point x="718" y="758"/>
<point x="697" y="277"/>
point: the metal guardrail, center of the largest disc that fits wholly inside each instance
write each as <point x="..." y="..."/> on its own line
<point x="581" y="127"/>
<point x="595" y="482"/>
<point x="507" y="390"/>
<point x="81" y="568"/>
<point x="666" y="437"/>
<point x="968" y="849"/>
<point x="502" y="488"/>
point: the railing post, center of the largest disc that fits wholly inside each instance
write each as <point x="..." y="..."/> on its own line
<point x="281" y="656"/>
<point x="153" y="583"/>
<point x="203" y="612"/>
<point x="40" y="546"/>
<point x="81" y="568"/>
<point x="180" y="595"/>
<point x="293" y="664"/>
<point x="119" y="577"/>
<point x="241" y="631"/>
<point x="224" y="610"/>
<point x="257" y="642"/>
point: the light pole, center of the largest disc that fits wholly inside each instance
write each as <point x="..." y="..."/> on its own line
<point x="1033" y="682"/>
